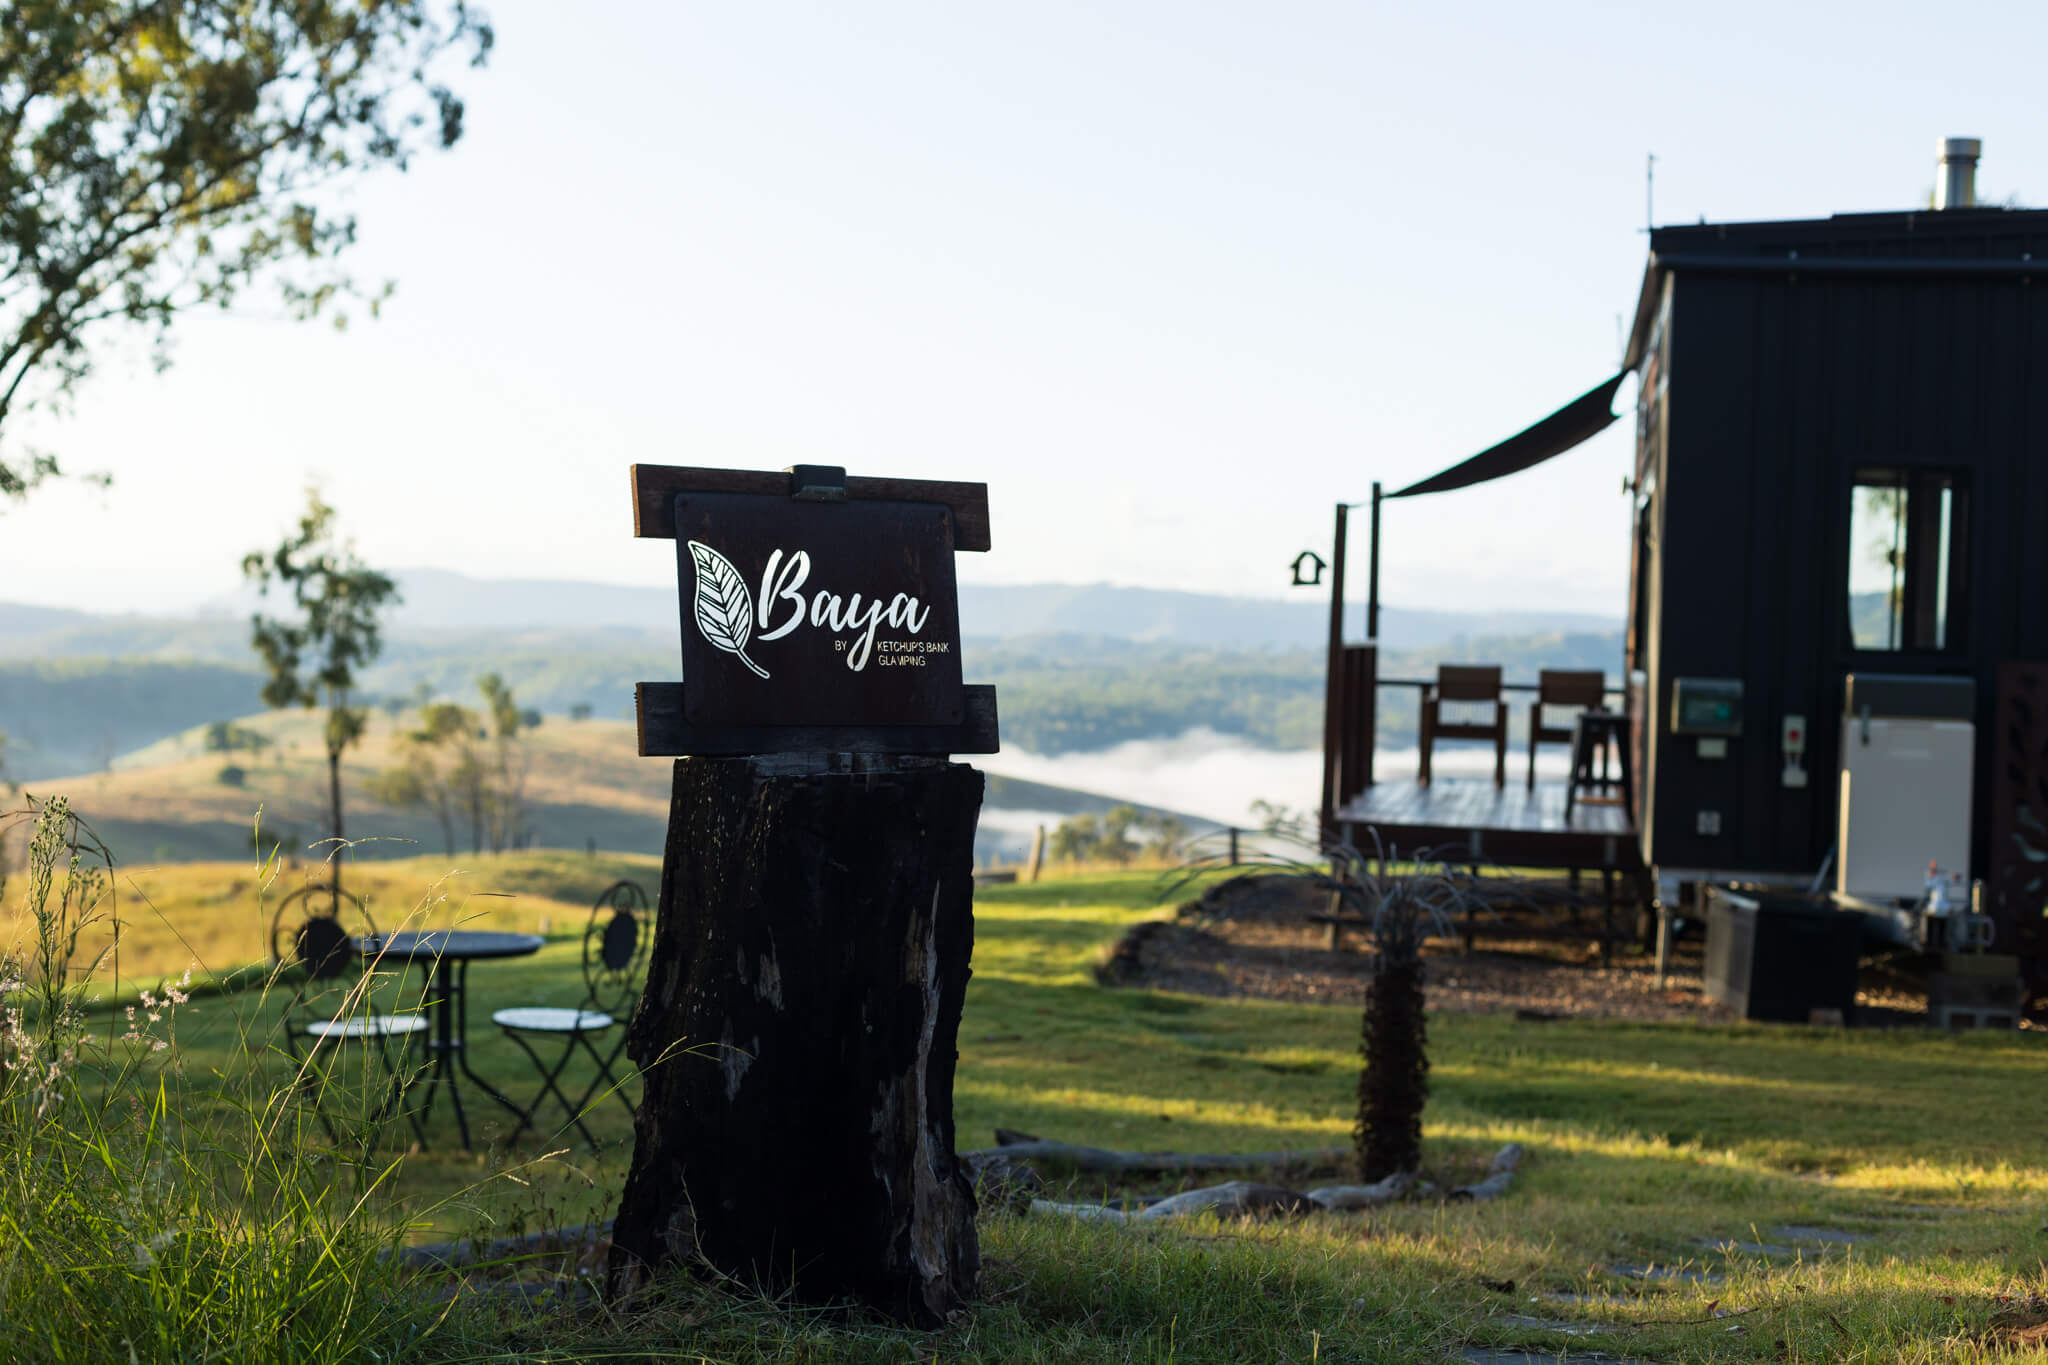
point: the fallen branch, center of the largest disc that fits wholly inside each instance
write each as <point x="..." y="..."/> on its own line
<point x="1243" y="1199"/>
<point x="1024" y="1146"/>
<point x="1237" y="1199"/>
<point x="1500" y="1174"/>
<point x="1345" y="1198"/>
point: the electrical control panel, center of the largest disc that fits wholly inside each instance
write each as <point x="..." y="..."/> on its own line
<point x="1706" y="706"/>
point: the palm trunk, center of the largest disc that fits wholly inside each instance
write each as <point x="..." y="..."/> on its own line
<point x="1393" y="1085"/>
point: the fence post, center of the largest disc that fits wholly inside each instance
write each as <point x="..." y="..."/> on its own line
<point x="1037" y="853"/>
<point x="1233" y="845"/>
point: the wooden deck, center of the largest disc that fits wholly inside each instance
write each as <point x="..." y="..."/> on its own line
<point x="1469" y="818"/>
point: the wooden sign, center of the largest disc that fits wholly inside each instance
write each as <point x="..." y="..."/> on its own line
<point x="814" y="613"/>
<point x="818" y="613"/>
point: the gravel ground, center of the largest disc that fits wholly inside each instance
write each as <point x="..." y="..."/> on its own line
<point x="1252" y="938"/>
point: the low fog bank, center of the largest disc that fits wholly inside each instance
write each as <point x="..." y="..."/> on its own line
<point x="1217" y="777"/>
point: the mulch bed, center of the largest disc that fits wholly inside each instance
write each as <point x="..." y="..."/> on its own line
<point x="1251" y="938"/>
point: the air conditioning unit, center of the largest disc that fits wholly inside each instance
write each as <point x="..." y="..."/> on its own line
<point x="1908" y="744"/>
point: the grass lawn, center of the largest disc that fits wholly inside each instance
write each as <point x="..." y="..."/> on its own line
<point x="1643" y="1142"/>
<point x="216" y="917"/>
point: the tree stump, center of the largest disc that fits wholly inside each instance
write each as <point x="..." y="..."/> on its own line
<point x="798" y="1034"/>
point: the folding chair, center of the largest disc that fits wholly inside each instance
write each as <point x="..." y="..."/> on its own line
<point x="317" y="933"/>
<point x="615" y="945"/>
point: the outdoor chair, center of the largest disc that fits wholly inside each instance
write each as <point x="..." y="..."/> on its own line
<point x="1582" y="688"/>
<point x="615" y="945"/>
<point x="314" y="940"/>
<point x="1465" y="683"/>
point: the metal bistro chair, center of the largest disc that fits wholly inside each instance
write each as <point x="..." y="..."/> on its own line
<point x="323" y="947"/>
<point x="614" y="958"/>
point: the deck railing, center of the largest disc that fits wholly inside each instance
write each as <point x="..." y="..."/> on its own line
<point x="1423" y="683"/>
<point x="1351" y="730"/>
<point x="1612" y="695"/>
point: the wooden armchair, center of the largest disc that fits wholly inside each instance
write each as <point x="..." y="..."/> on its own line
<point x="1465" y="682"/>
<point x="1561" y="687"/>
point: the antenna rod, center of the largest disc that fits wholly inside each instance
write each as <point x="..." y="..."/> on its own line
<point x="1650" y="192"/>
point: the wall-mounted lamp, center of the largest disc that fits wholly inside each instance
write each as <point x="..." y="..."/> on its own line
<point x="1313" y="575"/>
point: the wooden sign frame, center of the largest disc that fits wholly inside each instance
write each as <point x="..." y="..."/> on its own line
<point x="664" y="730"/>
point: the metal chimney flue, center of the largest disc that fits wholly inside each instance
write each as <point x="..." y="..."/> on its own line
<point x="1955" y="184"/>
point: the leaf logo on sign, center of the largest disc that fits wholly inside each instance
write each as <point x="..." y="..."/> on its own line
<point x="725" y="611"/>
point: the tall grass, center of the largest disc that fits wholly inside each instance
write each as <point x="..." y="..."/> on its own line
<point x="151" y="1210"/>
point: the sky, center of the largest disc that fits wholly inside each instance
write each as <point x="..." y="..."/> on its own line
<point x="1173" y="279"/>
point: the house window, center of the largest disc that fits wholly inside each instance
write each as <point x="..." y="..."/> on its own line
<point x="1908" y="553"/>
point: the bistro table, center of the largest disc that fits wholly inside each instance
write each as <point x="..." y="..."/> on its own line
<point x="444" y="956"/>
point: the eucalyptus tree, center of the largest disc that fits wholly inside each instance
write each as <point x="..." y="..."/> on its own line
<point x="312" y="656"/>
<point x="158" y="155"/>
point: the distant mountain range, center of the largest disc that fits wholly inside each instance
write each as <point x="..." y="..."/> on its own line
<point x="1078" y="668"/>
<point x="437" y="601"/>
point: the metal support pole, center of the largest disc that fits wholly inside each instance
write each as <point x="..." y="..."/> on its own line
<point x="1332" y="672"/>
<point x="1372" y="576"/>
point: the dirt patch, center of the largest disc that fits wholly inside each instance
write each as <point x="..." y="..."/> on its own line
<point x="1252" y="937"/>
<point x="2021" y="1323"/>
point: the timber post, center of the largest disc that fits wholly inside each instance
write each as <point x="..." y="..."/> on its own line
<point x="798" y="1033"/>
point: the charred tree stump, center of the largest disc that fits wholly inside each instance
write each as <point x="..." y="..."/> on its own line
<point x="797" y="1036"/>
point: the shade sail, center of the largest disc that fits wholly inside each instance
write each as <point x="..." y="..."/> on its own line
<point x="1587" y="415"/>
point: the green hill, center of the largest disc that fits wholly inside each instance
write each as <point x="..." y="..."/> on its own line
<point x="175" y="800"/>
<point x="77" y="715"/>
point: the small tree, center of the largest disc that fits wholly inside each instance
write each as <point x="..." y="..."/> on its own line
<point x="1075" y="839"/>
<point x="313" y="659"/>
<point x="1117" y="823"/>
<point x="402" y="787"/>
<point x="1168" y="833"/>
<point x="225" y="737"/>
<point x="435" y="767"/>
<point x="505" y="780"/>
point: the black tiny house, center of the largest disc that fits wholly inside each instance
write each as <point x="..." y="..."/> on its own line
<point x="1841" y="470"/>
<point x="1836" y="659"/>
